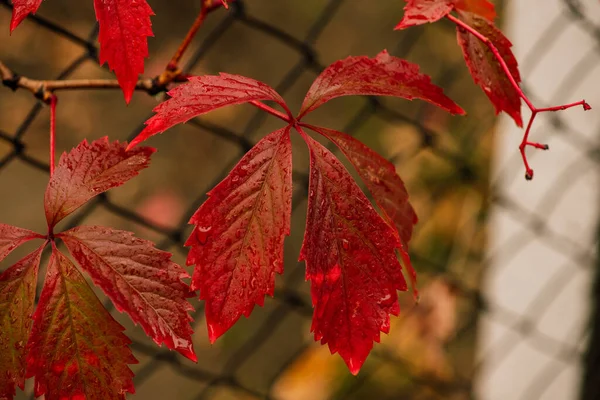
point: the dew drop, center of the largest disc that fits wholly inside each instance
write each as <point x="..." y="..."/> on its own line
<point x="345" y="244"/>
<point x="180" y="343"/>
<point x="202" y="233"/>
<point x="386" y="300"/>
<point x="253" y="283"/>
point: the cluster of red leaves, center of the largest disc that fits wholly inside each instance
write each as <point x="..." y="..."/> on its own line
<point x="485" y="69"/>
<point x="351" y="251"/>
<point x="71" y="344"/>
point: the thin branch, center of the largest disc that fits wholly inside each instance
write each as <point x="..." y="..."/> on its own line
<point x="206" y="7"/>
<point x="53" y="101"/>
<point x="44" y="90"/>
<point x="534" y="110"/>
<point x="174" y="63"/>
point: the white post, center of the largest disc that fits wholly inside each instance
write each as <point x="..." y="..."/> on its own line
<point x="542" y="232"/>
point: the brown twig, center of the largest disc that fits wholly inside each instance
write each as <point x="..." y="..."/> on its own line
<point x="53" y="101"/>
<point x="44" y="89"/>
<point x="173" y="65"/>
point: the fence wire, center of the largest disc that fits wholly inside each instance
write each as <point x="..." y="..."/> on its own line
<point x="445" y="162"/>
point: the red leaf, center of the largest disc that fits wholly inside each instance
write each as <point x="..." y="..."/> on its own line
<point x="17" y="297"/>
<point x="237" y="242"/>
<point x="418" y="12"/>
<point x="385" y="185"/>
<point x="76" y="350"/>
<point x="485" y="68"/>
<point x="383" y="75"/>
<point x="88" y="170"/>
<point x="483" y="8"/>
<point x="21" y="9"/>
<point x="351" y="261"/>
<point x="12" y="237"/>
<point x="203" y="94"/>
<point x="140" y="280"/>
<point x="124" y="29"/>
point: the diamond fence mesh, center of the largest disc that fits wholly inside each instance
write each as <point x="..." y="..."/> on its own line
<point x="431" y="351"/>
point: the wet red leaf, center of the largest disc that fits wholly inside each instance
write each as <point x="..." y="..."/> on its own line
<point x="418" y="12"/>
<point x="482" y="8"/>
<point x="140" y="280"/>
<point x="383" y="75"/>
<point x="350" y="254"/>
<point x="124" y="29"/>
<point x="21" y="9"/>
<point x="88" y="170"/>
<point x="17" y="297"/>
<point x="485" y="69"/>
<point x="76" y="349"/>
<point x="12" y="237"/>
<point x="385" y="186"/>
<point x="202" y="94"/>
<point x="237" y="241"/>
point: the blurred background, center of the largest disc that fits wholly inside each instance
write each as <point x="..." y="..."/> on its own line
<point x="509" y="308"/>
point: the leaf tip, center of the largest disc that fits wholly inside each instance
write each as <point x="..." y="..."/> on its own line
<point x="214" y="331"/>
<point x="137" y="140"/>
<point x="16" y="19"/>
<point x="518" y="119"/>
<point x="128" y="92"/>
<point x="458" y="110"/>
<point x="401" y="25"/>
<point x="354" y="365"/>
<point x="187" y="350"/>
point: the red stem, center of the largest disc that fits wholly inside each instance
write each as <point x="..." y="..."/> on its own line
<point x="287" y="118"/>
<point x="174" y="63"/>
<point x="53" y="101"/>
<point x="534" y="110"/>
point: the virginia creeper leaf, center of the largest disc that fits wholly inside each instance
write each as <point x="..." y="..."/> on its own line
<point x="383" y="75"/>
<point x="88" y="170"/>
<point x="485" y="69"/>
<point x="140" y="280"/>
<point x="237" y="242"/>
<point x="17" y="297"/>
<point x="482" y="8"/>
<point x="202" y="94"/>
<point x="21" y="9"/>
<point x="12" y="237"/>
<point x="124" y="29"/>
<point x="418" y="12"/>
<point x="76" y="349"/>
<point x="385" y="185"/>
<point x="350" y="254"/>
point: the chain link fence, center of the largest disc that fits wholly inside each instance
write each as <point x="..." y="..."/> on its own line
<point x="445" y="161"/>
